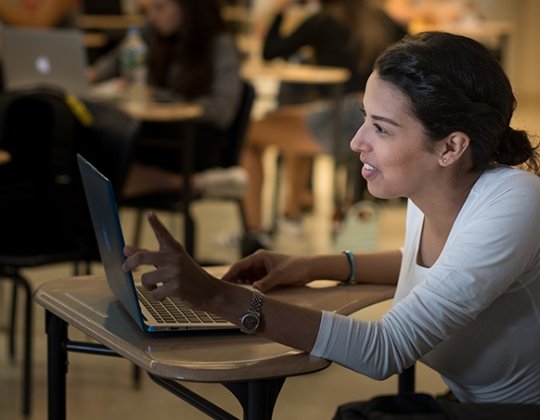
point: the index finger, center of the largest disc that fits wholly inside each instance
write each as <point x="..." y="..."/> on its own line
<point x="163" y="236"/>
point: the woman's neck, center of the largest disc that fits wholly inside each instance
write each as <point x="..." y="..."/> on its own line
<point x="443" y="204"/>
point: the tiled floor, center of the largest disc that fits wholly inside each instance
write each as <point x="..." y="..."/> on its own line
<point x="100" y="387"/>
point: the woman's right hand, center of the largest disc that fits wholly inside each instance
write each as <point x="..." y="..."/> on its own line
<point x="267" y="269"/>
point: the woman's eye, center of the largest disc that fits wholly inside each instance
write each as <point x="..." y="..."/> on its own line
<point x="379" y="129"/>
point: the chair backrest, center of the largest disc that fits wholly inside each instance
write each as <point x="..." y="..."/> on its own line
<point x="42" y="205"/>
<point x="237" y="131"/>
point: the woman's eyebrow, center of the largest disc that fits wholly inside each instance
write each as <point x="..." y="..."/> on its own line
<point x="385" y="119"/>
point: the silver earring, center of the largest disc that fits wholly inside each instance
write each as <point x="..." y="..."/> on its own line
<point x="445" y="160"/>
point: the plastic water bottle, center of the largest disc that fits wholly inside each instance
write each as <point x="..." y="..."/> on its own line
<point x="133" y="66"/>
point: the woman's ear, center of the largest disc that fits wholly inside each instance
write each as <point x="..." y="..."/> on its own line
<point x="453" y="148"/>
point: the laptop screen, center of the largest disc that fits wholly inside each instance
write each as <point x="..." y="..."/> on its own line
<point x="102" y="205"/>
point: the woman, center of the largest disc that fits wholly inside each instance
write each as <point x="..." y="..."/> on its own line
<point x="343" y="33"/>
<point x="190" y="58"/>
<point x="437" y="130"/>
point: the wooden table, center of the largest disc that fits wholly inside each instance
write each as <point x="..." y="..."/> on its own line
<point x="295" y="73"/>
<point x="109" y="22"/>
<point x="94" y="40"/>
<point x="493" y="33"/>
<point x="251" y="367"/>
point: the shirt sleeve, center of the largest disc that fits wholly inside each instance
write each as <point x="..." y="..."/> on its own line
<point x="221" y="103"/>
<point x="493" y="243"/>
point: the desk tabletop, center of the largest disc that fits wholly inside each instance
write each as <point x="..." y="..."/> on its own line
<point x="113" y="91"/>
<point x="87" y="304"/>
<point x="94" y="39"/>
<point x="295" y="73"/>
<point x="476" y="30"/>
<point x="109" y="22"/>
<point x="162" y="112"/>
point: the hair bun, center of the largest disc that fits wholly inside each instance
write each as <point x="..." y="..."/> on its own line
<point x="514" y="147"/>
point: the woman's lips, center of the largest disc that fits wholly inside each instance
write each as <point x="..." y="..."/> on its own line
<point x="368" y="171"/>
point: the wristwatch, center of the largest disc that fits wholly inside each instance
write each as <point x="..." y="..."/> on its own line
<point x="250" y="320"/>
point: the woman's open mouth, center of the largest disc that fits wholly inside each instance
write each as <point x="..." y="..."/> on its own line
<point x="368" y="171"/>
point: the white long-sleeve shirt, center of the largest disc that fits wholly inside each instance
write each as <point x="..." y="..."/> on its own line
<point x="473" y="316"/>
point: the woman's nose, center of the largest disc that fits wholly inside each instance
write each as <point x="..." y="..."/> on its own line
<point x="358" y="143"/>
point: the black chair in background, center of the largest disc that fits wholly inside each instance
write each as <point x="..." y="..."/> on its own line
<point x="174" y="201"/>
<point x="44" y="217"/>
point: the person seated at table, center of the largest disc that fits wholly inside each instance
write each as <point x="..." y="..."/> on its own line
<point x="344" y="33"/>
<point x="38" y="13"/>
<point x="438" y="109"/>
<point x="190" y="58"/>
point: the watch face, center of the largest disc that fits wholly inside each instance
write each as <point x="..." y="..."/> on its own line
<point x="250" y="322"/>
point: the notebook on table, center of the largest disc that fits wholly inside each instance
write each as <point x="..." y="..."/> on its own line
<point x="151" y="315"/>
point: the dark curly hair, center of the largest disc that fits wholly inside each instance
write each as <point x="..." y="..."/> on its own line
<point x="455" y="84"/>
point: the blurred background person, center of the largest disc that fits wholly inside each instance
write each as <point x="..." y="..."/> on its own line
<point x="190" y="58"/>
<point x="339" y="33"/>
<point x="38" y="13"/>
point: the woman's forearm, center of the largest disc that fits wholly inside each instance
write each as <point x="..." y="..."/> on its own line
<point x="284" y="323"/>
<point x="373" y="268"/>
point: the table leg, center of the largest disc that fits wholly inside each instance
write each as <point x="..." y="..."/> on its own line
<point x="197" y="401"/>
<point x="187" y="153"/>
<point x="338" y="94"/>
<point x="257" y="398"/>
<point x="406" y="381"/>
<point x="57" y="362"/>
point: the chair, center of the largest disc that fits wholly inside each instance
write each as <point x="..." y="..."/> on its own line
<point x="173" y="201"/>
<point x="44" y="216"/>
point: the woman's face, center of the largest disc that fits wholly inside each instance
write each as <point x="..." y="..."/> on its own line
<point x="165" y="16"/>
<point x="392" y="145"/>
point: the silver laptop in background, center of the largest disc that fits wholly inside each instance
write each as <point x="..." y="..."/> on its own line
<point x="53" y="58"/>
<point x="151" y="315"/>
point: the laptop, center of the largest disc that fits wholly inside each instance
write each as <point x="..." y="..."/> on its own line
<point x="44" y="57"/>
<point x="151" y="315"/>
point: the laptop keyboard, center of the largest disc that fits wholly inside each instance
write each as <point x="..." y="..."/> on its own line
<point x="172" y="311"/>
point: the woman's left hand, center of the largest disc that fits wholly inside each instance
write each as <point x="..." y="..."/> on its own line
<point x="176" y="273"/>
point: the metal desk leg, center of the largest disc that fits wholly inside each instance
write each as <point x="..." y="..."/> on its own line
<point x="20" y="281"/>
<point x="406" y="381"/>
<point x="257" y="398"/>
<point x="200" y="403"/>
<point x="57" y="362"/>
<point x="187" y="153"/>
<point x="338" y="94"/>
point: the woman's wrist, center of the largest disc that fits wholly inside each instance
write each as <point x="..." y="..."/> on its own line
<point x="351" y="279"/>
<point x="328" y="267"/>
<point x="227" y="300"/>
